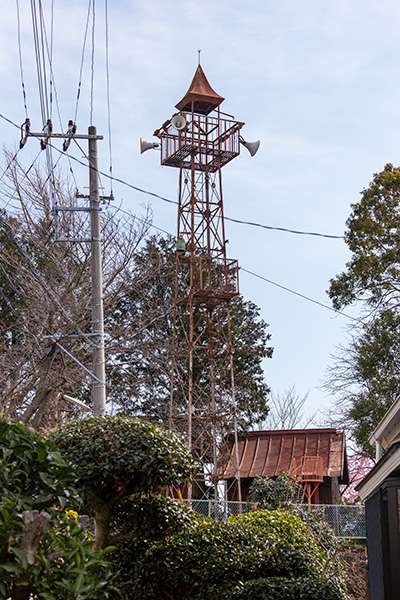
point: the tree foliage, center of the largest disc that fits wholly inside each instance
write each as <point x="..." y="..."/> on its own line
<point x="45" y="305"/>
<point x="365" y="377"/>
<point x="147" y="374"/>
<point x="45" y="296"/>
<point x="117" y="457"/>
<point x="272" y="555"/>
<point x="270" y="494"/>
<point x="286" y="410"/>
<point x="373" y="273"/>
<point x="43" y="549"/>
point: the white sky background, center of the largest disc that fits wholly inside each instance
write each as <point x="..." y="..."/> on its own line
<point x="316" y="81"/>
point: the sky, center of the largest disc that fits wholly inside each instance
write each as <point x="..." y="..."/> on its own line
<point x="316" y="81"/>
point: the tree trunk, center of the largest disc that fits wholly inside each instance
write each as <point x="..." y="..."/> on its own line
<point x="102" y="513"/>
<point x="34" y="525"/>
<point x="42" y="392"/>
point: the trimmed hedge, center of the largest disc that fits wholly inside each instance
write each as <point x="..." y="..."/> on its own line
<point x="265" y="554"/>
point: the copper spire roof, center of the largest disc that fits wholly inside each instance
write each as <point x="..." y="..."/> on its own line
<point x="201" y="94"/>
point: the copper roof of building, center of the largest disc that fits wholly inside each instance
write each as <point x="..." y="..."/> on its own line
<point x="201" y="94"/>
<point x="267" y="453"/>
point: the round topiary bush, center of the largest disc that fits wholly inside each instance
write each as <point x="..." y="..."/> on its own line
<point x="117" y="457"/>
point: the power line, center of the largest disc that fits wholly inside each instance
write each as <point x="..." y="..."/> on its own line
<point x="39" y="279"/>
<point x="324" y="235"/>
<point x="337" y="312"/>
<point x="126" y="212"/>
<point x="9" y="164"/>
<point x="255" y="274"/>
<point x="82" y="61"/>
<point x="92" y="63"/>
<point x="169" y="201"/>
<point x="45" y="327"/>
<point x="238" y="221"/>
<point x="26" y="173"/>
<point x="108" y="94"/>
<point x="20" y="60"/>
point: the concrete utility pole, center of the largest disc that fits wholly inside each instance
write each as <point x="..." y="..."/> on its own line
<point x="98" y="373"/>
<point x="99" y="370"/>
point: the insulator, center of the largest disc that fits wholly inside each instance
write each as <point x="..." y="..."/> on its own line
<point x="70" y="132"/>
<point x="25" y="126"/>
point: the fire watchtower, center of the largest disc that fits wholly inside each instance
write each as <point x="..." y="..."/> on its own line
<point x="199" y="140"/>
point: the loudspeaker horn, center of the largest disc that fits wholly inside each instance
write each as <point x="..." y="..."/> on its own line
<point x="179" y="122"/>
<point x="252" y="147"/>
<point x="147" y="145"/>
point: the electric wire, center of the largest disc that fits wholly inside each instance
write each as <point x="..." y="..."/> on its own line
<point x="26" y="173"/>
<point x="39" y="279"/>
<point x="53" y="88"/>
<point x="9" y="164"/>
<point x="129" y="214"/>
<point x="45" y="99"/>
<point x="108" y="98"/>
<point x="337" y="312"/>
<point x="169" y="201"/>
<point x="40" y="67"/>
<point x="49" y="50"/>
<point x="46" y="328"/>
<point x="253" y="224"/>
<point x="242" y="268"/>
<point x="43" y="59"/>
<point x="242" y="222"/>
<point x="20" y="60"/>
<point x="51" y="56"/>
<point x="38" y="73"/>
<point x="92" y="62"/>
<point x="321" y="304"/>
<point x="82" y="60"/>
<point x="28" y="357"/>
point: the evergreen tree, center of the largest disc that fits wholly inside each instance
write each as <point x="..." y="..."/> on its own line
<point x="147" y="375"/>
<point x="45" y="319"/>
<point x="365" y="377"/>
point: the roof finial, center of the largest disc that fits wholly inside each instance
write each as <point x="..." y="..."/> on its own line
<point x="199" y="55"/>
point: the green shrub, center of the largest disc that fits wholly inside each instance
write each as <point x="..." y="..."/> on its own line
<point x="119" y="457"/>
<point x="255" y="555"/>
<point x="269" y="493"/>
<point x="152" y="516"/>
<point x="36" y="482"/>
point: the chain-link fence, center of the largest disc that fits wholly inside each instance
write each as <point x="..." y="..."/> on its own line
<point x="347" y="520"/>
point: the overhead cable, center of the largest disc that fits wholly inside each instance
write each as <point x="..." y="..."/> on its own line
<point x="82" y="61"/>
<point x="31" y="268"/>
<point x="256" y="224"/>
<point x="92" y="62"/>
<point x="46" y="328"/>
<point x="169" y="201"/>
<point x="20" y="60"/>
<point x="26" y="173"/>
<point x="337" y="312"/>
<point x="108" y="96"/>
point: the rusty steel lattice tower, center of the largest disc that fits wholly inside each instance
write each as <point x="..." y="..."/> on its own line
<point x="199" y="141"/>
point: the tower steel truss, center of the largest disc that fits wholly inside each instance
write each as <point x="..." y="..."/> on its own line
<point x="202" y="406"/>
